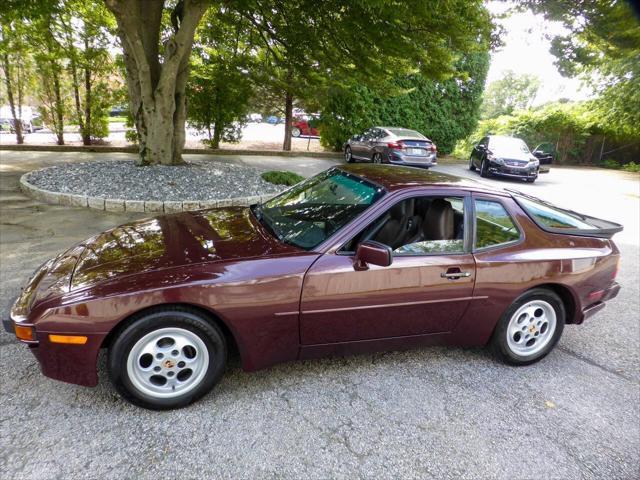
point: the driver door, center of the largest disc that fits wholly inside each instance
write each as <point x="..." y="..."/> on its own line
<point x="417" y="294"/>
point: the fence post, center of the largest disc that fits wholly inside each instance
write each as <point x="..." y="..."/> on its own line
<point x="602" y="148"/>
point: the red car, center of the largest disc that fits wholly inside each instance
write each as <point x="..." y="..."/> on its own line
<point x="359" y="258"/>
<point x="302" y="127"/>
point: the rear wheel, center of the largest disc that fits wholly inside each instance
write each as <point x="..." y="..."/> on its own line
<point x="377" y="157"/>
<point x="296" y="132"/>
<point x="472" y="167"/>
<point x="348" y="156"/>
<point x="167" y="358"/>
<point x="530" y="328"/>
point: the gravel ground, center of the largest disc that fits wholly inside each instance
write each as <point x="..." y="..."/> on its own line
<point x="198" y="180"/>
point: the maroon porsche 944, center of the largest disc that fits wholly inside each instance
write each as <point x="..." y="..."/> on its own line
<point x="359" y="258"/>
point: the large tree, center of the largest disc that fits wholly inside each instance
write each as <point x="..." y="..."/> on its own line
<point x="509" y="93"/>
<point x="601" y="44"/>
<point x="301" y="41"/>
<point x="309" y="44"/>
<point x="156" y="58"/>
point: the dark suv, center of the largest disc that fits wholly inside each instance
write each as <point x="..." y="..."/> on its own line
<point x="504" y="156"/>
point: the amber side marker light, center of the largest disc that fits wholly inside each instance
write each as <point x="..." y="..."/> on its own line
<point x="25" y="333"/>
<point x="73" y="339"/>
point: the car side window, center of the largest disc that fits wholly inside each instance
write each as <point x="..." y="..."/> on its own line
<point x="494" y="226"/>
<point x="418" y="226"/>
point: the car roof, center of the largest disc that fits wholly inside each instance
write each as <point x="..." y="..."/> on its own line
<point x="395" y="177"/>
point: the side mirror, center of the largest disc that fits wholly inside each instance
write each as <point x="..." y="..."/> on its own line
<point x="481" y="146"/>
<point x="374" y="253"/>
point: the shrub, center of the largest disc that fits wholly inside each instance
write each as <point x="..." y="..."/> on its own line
<point x="610" y="163"/>
<point x="631" y="167"/>
<point x="282" y="177"/>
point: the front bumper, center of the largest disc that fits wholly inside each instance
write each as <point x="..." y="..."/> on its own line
<point x="513" y="171"/>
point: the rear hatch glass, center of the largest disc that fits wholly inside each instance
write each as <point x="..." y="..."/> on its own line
<point x="560" y="220"/>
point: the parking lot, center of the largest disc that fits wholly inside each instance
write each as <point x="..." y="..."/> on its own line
<point x="429" y="413"/>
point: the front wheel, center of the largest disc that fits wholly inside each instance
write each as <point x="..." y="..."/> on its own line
<point x="168" y="358"/>
<point x="472" y="167"/>
<point x="484" y="169"/>
<point x="530" y="327"/>
<point x="377" y="157"/>
<point x="296" y="132"/>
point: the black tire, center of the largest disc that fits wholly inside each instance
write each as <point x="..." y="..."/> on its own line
<point x="499" y="342"/>
<point x="530" y="180"/>
<point x="484" y="169"/>
<point x="166" y="317"/>
<point x="377" y="158"/>
<point x="296" y="132"/>
<point x="348" y="155"/>
<point x="472" y="167"/>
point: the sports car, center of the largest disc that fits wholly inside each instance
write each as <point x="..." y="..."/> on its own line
<point x="359" y="258"/>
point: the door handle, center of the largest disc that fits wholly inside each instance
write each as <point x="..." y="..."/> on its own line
<point x="455" y="275"/>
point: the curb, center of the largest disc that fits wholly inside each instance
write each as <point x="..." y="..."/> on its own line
<point x="123" y="205"/>
<point x="186" y="151"/>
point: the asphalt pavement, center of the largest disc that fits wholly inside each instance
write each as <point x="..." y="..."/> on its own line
<point x="428" y="413"/>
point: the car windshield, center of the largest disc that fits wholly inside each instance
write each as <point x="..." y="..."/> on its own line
<point x="508" y="146"/>
<point x="310" y="212"/>
<point x="404" y="132"/>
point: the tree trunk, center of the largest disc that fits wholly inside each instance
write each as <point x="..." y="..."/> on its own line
<point x="86" y="132"/>
<point x="59" y="107"/>
<point x="75" y="81"/>
<point x="288" y="118"/>
<point x="17" y="122"/>
<point x="157" y="89"/>
<point x="217" y="134"/>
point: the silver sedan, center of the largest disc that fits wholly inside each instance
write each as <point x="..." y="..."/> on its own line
<point x="399" y="146"/>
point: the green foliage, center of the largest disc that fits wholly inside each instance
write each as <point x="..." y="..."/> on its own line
<point x="219" y="89"/>
<point x="578" y="133"/>
<point x="511" y="92"/>
<point x="444" y="111"/>
<point x="603" y="46"/>
<point x="308" y="47"/>
<point x="631" y="167"/>
<point x="611" y="163"/>
<point x="282" y="177"/>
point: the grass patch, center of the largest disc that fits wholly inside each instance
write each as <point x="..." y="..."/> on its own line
<point x="281" y="177"/>
<point x="117" y="119"/>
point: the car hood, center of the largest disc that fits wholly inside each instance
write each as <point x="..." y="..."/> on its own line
<point x="511" y="155"/>
<point x="172" y="241"/>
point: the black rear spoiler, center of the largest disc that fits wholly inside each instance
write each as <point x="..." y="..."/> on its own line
<point x="603" y="228"/>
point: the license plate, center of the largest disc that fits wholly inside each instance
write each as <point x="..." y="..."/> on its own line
<point x="416" y="151"/>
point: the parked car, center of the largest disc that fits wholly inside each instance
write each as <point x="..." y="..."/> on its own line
<point x="273" y="120"/>
<point x="358" y="258"/>
<point x="504" y="156"/>
<point x="31" y="120"/>
<point x="397" y="146"/>
<point x="546" y="155"/>
<point x="254" y="117"/>
<point x="304" y="126"/>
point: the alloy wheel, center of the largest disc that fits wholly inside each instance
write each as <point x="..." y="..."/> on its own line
<point x="167" y="362"/>
<point x="531" y="328"/>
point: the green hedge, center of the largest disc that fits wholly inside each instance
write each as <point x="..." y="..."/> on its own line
<point x="444" y="111"/>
